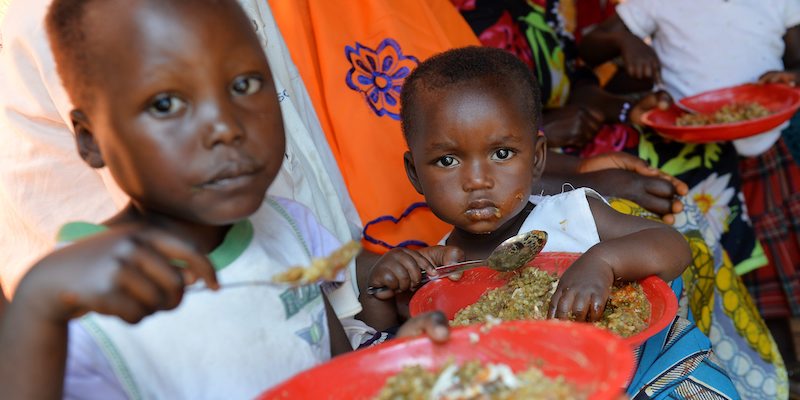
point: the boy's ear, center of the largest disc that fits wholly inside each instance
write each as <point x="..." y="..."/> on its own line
<point x="84" y="137"/>
<point x="411" y="171"/>
<point x="539" y="155"/>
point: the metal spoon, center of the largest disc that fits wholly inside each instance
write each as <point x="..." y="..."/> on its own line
<point x="510" y="255"/>
<point x="321" y="269"/>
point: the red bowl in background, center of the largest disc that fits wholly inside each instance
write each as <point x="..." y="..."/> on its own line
<point x="591" y="358"/>
<point x="451" y="296"/>
<point x="783" y="101"/>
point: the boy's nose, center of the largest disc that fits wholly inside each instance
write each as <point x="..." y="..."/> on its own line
<point x="477" y="178"/>
<point x="223" y="128"/>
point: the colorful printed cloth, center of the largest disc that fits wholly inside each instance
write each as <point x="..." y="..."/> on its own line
<point x="771" y="187"/>
<point x="713" y="296"/>
<point x="534" y="31"/>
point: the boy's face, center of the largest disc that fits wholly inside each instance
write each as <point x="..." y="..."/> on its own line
<point x="185" y="113"/>
<point x="474" y="156"/>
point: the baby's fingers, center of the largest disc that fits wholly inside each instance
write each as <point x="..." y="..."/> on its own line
<point x="196" y="265"/>
<point x="561" y="306"/>
<point x="122" y="306"/>
<point x="597" y="305"/>
<point x="581" y="306"/>
<point x="434" y="324"/>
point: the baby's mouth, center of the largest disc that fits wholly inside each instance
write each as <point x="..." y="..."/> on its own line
<point x="482" y="210"/>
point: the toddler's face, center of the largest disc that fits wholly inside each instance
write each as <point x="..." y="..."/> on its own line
<point x="473" y="156"/>
<point x="186" y="114"/>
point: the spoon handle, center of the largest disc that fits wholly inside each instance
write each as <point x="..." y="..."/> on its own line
<point x="441" y="272"/>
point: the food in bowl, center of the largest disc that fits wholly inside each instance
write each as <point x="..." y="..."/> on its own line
<point x="475" y="380"/>
<point x="527" y="295"/>
<point x="729" y="113"/>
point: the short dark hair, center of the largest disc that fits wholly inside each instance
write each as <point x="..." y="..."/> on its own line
<point x="65" y="30"/>
<point x="468" y="66"/>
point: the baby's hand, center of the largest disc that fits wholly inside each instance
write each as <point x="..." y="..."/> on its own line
<point x="784" y="77"/>
<point x="434" y="324"/>
<point x="640" y="60"/>
<point x="125" y="272"/>
<point x="400" y="269"/>
<point x="582" y="291"/>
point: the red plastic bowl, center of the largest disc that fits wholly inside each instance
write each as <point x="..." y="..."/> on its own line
<point x="783" y="101"/>
<point x="451" y="296"/>
<point x="591" y="358"/>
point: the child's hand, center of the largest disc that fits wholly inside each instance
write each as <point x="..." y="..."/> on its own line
<point x="784" y="77"/>
<point x="639" y="59"/>
<point x="399" y="270"/>
<point x="582" y="291"/>
<point x="434" y="324"/>
<point x="123" y="272"/>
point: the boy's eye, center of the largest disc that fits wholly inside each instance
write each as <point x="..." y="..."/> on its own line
<point x="166" y="105"/>
<point x="446" y="161"/>
<point x="502" y="154"/>
<point x="246" y="85"/>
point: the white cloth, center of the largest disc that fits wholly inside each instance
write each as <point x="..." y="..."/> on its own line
<point x="234" y="343"/>
<point x="44" y="183"/>
<point x="566" y="218"/>
<point x="711" y="44"/>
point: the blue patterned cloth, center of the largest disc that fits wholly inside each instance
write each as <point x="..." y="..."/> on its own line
<point x="678" y="363"/>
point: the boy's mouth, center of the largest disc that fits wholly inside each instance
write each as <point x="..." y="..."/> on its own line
<point x="481" y="210"/>
<point x="232" y="176"/>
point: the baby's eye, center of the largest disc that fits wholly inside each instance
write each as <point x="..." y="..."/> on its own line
<point x="246" y="85"/>
<point x="502" y="154"/>
<point x="446" y="161"/>
<point x="165" y="105"/>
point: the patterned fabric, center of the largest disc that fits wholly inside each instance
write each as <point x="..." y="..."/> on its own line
<point x="771" y="187"/>
<point x="713" y="296"/>
<point x="536" y="32"/>
<point x="711" y="171"/>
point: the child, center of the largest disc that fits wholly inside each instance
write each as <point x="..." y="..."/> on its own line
<point x="470" y="117"/>
<point x="177" y="99"/>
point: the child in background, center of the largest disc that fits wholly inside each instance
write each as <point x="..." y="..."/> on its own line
<point x="704" y="45"/>
<point x="194" y="135"/>
<point x="471" y="117"/>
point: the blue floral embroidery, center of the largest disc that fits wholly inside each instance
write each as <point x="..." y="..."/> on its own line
<point x="379" y="75"/>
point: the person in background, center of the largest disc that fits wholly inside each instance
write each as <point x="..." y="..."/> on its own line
<point x="700" y="46"/>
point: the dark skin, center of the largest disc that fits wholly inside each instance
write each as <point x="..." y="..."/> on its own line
<point x="194" y="135"/>
<point x="471" y="153"/>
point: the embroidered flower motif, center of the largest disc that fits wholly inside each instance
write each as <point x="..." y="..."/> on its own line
<point x="712" y="196"/>
<point x="379" y="74"/>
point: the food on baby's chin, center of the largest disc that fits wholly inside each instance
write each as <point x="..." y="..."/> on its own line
<point x="527" y="295"/>
<point x="475" y="380"/>
<point x="728" y="114"/>
<point x="321" y="268"/>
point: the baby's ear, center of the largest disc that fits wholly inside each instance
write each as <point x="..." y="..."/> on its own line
<point x="411" y="172"/>
<point x="539" y="155"/>
<point x="84" y="137"/>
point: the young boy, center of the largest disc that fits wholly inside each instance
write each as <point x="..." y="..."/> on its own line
<point x="177" y="99"/>
<point x="471" y="118"/>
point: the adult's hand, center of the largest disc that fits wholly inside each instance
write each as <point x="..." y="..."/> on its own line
<point x="660" y="99"/>
<point x="627" y="176"/>
<point x="571" y="125"/>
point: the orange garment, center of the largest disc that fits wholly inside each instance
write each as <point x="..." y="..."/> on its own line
<point x="353" y="56"/>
